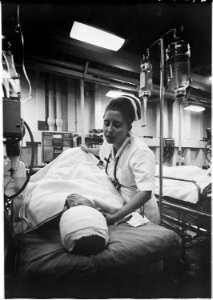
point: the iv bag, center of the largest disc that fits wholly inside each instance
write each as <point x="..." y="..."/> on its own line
<point x="11" y="83"/>
<point x="178" y="67"/>
<point x="146" y="85"/>
<point x="11" y="87"/>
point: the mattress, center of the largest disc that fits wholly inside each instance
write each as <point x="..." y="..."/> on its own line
<point x="42" y="257"/>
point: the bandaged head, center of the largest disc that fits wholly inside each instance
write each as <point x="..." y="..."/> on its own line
<point x="81" y="221"/>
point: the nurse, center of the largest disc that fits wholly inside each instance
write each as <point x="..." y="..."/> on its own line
<point x="128" y="160"/>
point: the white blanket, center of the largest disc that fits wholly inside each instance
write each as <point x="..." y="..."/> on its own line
<point x="74" y="171"/>
<point x="181" y="190"/>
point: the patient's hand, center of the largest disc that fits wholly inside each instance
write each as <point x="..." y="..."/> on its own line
<point x="75" y="200"/>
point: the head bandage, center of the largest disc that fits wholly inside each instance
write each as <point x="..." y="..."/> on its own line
<point x="81" y="221"/>
<point x="135" y="103"/>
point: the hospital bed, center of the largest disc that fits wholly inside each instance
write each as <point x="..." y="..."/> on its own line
<point x="44" y="269"/>
<point x="186" y="202"/>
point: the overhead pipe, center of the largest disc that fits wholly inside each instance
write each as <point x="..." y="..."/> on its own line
<point x="75" y="74"/>
<point x="72" y="66"/>
<point x="78" y="73"/>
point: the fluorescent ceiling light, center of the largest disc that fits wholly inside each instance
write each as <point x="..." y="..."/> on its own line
<point x="96" y="36"/>
<point x="195" y="108"/>
<point x="116" y="93"/>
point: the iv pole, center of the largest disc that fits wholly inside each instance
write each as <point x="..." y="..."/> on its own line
<point x="162" y="91"/>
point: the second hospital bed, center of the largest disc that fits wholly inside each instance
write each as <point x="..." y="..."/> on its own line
<point x="186" y="202"/>
<point x="45" y="268"/>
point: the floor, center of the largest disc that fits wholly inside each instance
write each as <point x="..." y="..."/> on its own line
<point x="190" y="280"/>
<point x="195" y="282"/>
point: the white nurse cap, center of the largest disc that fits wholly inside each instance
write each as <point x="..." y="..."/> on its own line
<point x="135" y="103"/>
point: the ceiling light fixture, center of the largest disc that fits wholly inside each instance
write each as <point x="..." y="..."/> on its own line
<point x="194" y="107"/>
<point x="95" y="36"/>
<point x="116" y="93"/>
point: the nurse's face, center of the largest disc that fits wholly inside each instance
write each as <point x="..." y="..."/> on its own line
<point x="115" y="128"/>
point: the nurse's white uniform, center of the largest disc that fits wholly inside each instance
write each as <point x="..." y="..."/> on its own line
<point x="135" y="171"/>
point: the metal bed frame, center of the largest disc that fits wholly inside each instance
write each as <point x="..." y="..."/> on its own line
<point x="186" y="218"/>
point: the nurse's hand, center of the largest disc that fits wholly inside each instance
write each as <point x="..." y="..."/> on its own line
<point x="84" y="148"/>
<point x="110" y="218"/>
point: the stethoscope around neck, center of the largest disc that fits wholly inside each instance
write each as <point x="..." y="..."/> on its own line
<point x="115" y="181"/>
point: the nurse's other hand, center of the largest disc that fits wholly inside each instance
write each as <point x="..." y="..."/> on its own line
<point x="109" y="218"/>
<point x="84" y="148"/>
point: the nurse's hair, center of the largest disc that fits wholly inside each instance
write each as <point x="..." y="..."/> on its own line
<point x="128" y="105"/>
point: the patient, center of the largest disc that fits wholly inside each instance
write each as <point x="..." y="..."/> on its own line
<point x="82" y="227"/>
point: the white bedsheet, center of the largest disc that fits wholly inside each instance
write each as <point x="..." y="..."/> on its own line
<point x="185" y="191"/>
<point x="74" y="171"/>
